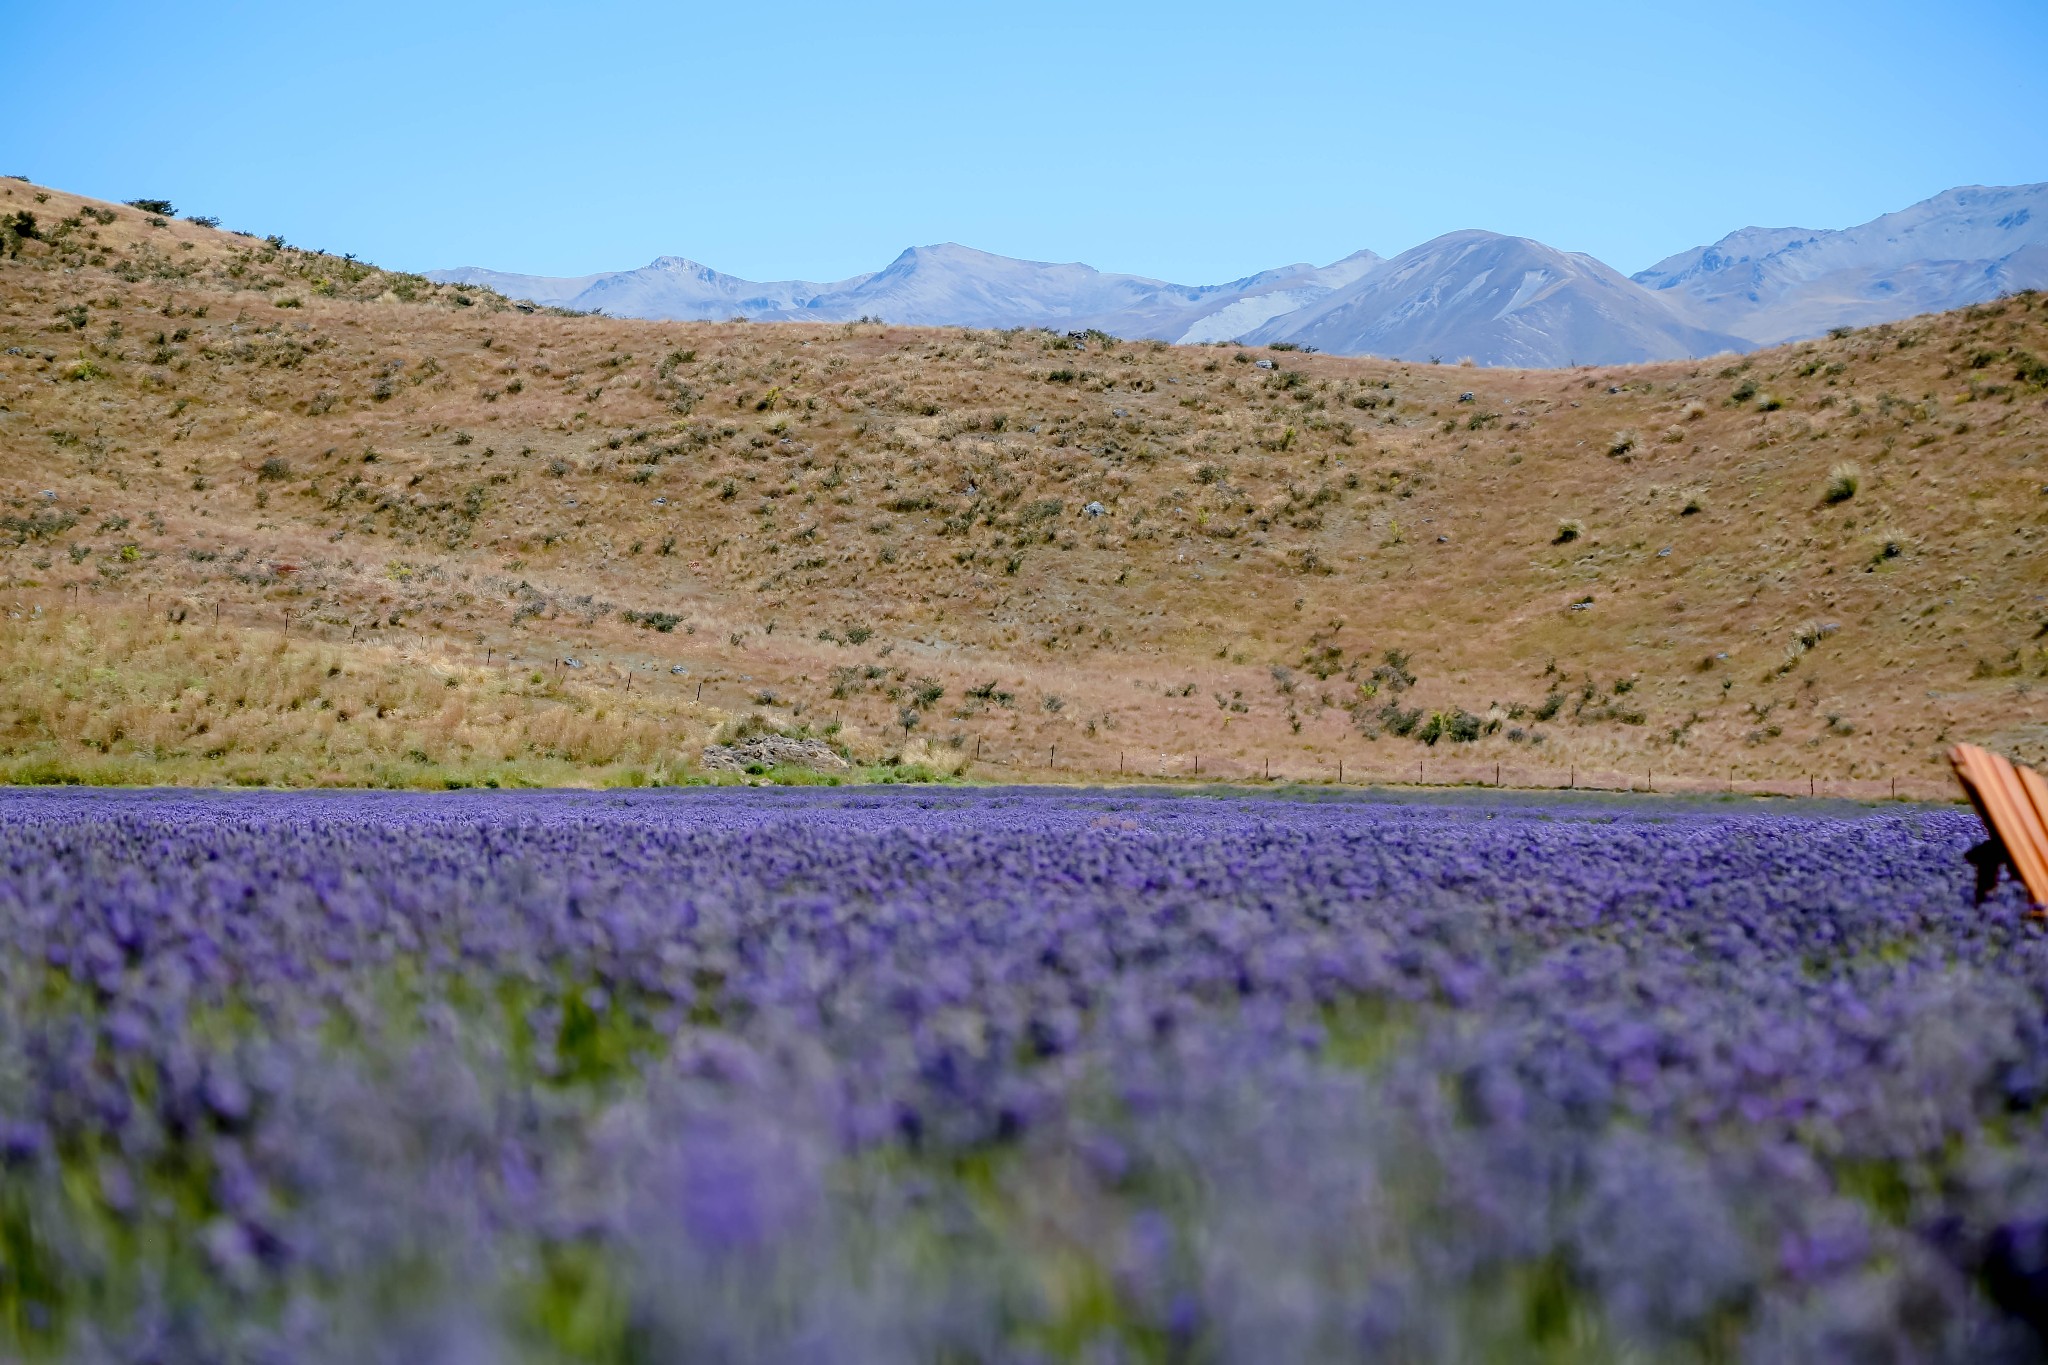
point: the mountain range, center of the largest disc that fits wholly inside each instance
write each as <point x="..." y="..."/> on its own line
<point x="1496" y="299"/>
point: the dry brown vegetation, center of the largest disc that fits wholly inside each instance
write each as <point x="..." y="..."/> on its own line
<point x="1072" y="554"/>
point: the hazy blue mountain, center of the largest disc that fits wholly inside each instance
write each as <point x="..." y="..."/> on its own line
<point x="1499" y="300"/>
<point x="1228" y="311"/>
<point x="1777" y="284"/>
<point x="943" y="285"/>
<point x="666" y="287"/>
<point x="952" y="285"/>
<point x="553" y="290"/>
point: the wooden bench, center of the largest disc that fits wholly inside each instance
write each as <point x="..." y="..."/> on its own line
<point x="2012" y="801"/>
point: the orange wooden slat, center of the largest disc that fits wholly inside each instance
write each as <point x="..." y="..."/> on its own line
<point x="2008" y="805"/>
<point x="2023" y="838"/>
<point x="1962" y="757"/>
<point x="2008" y="809"/>
<point x="2035" y="787"/>
<point x="1974" y="771"/>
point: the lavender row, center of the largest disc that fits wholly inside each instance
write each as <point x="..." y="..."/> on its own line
<point x="1010" y="1076"/>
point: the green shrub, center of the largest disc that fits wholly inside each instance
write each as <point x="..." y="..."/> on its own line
<point x="663" y="621"/>
<point x="1843" y="481"/>
<point x="1459" y="726"/>
<point x="1399" y="722"/>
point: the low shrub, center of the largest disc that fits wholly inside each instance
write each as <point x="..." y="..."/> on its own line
<point x="1843" y="481"/>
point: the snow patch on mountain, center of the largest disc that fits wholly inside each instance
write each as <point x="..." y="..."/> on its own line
<point x="1242" y="315"/>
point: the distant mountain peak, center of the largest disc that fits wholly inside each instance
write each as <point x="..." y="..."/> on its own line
<point x="1768" y="285"/>
<point x="1500" y="299"/>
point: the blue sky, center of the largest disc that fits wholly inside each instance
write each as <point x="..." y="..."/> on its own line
<point x="1192" y="141"/>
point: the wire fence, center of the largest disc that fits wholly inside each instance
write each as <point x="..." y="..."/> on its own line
<point x="1441" y="769"/>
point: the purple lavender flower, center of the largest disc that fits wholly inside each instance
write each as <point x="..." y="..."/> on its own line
<point x="1010" y="1075"/>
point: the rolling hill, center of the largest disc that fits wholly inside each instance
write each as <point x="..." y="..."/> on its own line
<point x="273" y="515"/>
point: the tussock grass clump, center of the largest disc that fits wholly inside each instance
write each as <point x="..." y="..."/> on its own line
<point x="1843" y="481"/>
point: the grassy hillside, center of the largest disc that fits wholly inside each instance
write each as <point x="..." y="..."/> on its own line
<point x="229" y="466"/>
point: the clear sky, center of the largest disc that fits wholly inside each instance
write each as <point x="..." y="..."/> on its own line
<point x="1190" y="140"/>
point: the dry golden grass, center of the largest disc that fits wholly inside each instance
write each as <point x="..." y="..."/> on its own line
<point x="112" y="694"/>
<point x="834" y="523"/>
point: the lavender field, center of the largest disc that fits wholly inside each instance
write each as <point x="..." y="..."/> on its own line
<point x="957" y="1075"/>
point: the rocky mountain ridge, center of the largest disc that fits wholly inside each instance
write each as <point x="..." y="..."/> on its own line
<point x="1494" y="299"/>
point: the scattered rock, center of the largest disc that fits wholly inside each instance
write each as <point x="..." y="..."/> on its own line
<point x="772" y="751"/>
